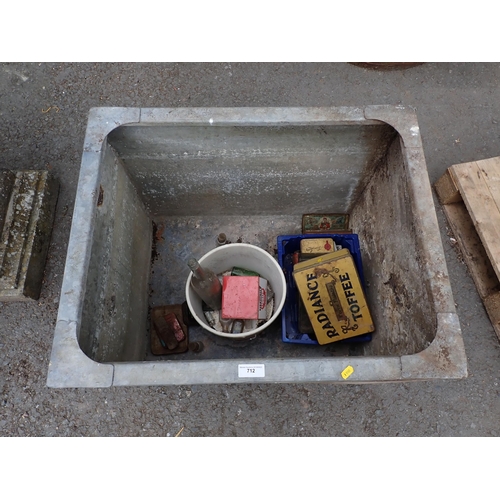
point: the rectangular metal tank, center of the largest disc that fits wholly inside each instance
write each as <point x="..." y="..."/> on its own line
<point x="159" y="185"/>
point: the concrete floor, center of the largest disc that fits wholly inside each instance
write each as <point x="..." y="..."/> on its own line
<point x="43" y="114"/>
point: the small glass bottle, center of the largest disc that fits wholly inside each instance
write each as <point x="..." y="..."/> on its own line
<point x="206" y="284"/>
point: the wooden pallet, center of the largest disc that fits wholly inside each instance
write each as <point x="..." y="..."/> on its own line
<point x="470" y="195"/>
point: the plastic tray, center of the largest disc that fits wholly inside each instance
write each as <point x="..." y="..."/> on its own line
<point x="287" y="245"/>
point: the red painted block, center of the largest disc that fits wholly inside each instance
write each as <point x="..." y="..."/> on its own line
<point x="240" y="297"/>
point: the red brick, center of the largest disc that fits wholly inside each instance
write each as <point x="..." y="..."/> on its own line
<point x="240" y="297"/>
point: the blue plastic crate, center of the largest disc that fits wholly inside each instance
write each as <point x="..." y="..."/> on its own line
<point x="287" y="245"/>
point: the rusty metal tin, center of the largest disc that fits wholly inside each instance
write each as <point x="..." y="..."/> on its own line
<point x="325" y="223"/>
<point x="165" y="312"/>
<point x="317" y="245"/>
<point x="333" y="297"/>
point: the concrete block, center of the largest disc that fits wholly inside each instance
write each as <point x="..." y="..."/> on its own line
<point x="27" y="206"/>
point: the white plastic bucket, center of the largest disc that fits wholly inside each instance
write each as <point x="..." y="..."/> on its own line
<point x="222" y="259"/>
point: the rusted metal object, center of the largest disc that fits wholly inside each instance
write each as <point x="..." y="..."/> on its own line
<point x="174" y="327"/>
<point x="165" y="331"/>
<point x="221" y="239"/>
<point x="168" y="334"/>
<point x="196" y="346"/>
<point x="100" y="197"/>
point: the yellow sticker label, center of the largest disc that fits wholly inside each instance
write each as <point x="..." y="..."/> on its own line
<point x="347" y="372"/>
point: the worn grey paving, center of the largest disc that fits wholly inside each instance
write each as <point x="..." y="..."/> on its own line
<point x="43" y="113"/>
